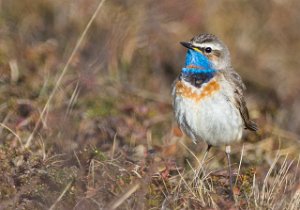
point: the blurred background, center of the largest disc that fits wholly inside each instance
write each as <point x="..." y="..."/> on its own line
<point x="117" y="88"/>
<point x="136" y="44"/>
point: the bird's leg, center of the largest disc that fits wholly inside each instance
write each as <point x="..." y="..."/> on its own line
<point x="204" y="157"/>
<point x="205" y="154"/>
<point x="202" y="162"/>
<point x="228" y="150"/>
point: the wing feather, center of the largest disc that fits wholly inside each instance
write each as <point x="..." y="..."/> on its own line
<point x="239" y="87"/>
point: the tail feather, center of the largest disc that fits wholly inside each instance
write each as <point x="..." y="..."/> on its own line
<point x="251" y="126"/>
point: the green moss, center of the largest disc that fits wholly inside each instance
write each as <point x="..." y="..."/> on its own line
<point x="99" y="155"/>
<point x="154" y="196"/>
<point x="101" y="107"/>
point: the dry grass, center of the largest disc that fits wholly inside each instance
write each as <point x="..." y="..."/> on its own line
<point x="85" y="113"/>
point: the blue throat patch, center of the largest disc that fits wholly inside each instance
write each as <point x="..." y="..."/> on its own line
<point x="198" y="69"/>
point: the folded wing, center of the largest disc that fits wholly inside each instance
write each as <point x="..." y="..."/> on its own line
<point x="239" y="87"/>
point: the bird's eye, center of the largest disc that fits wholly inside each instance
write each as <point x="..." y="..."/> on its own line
<point x="208" y="50"/>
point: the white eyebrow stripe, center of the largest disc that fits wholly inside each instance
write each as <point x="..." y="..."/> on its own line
<point x="213" y="46"/>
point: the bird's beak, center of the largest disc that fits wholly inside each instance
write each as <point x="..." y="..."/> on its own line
<point x="187" y="45"/>
<point x="190" y="46"/>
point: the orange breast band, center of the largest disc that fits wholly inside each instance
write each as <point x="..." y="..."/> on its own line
<point x="187" y="92"/>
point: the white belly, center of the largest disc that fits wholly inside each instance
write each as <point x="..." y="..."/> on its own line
<point x="213" y="119"/>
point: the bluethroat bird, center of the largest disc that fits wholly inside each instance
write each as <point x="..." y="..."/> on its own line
<point x="208" y="97"/>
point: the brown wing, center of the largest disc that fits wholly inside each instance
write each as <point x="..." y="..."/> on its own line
<point x="236" y="81"/>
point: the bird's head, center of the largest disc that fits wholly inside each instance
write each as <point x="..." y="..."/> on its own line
<point x="206" y="51"/>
